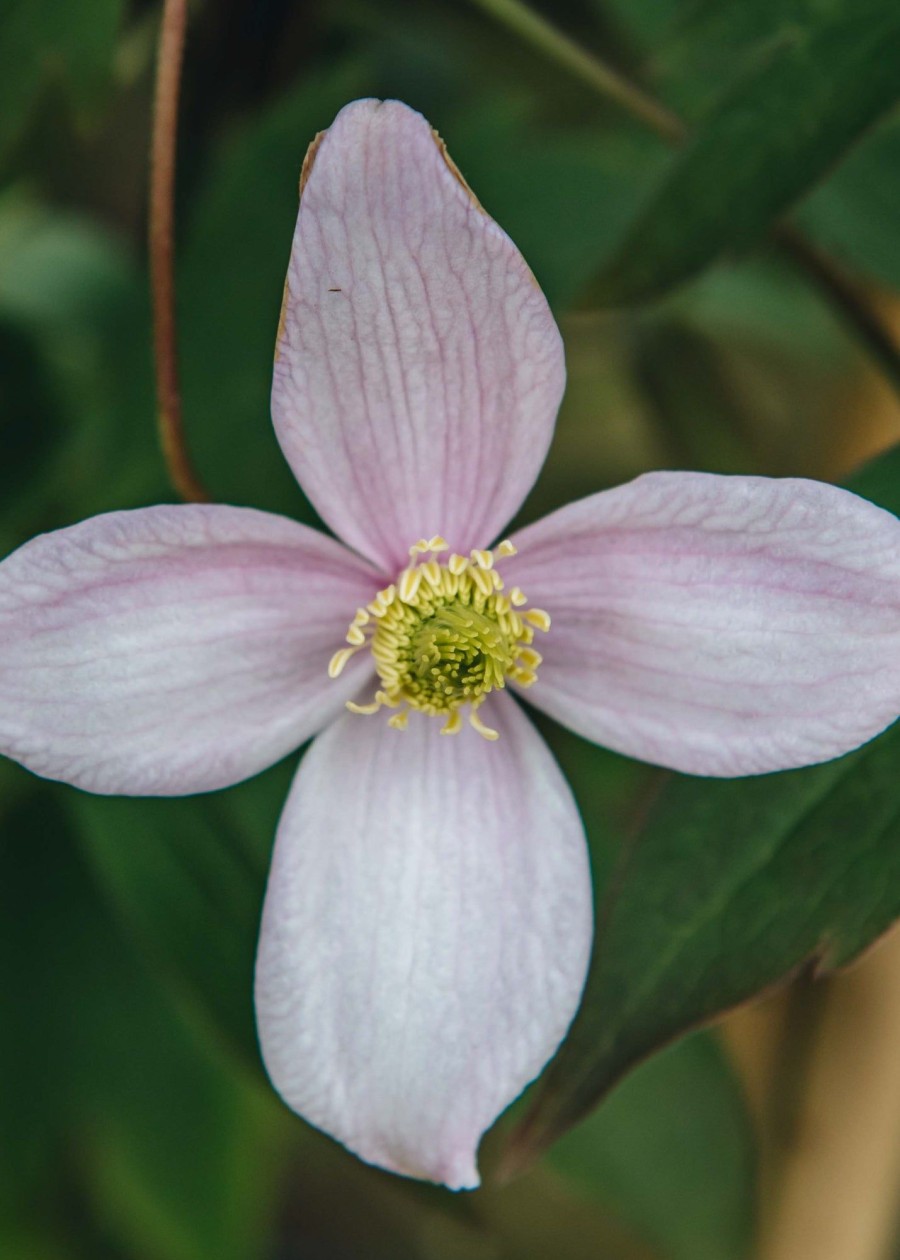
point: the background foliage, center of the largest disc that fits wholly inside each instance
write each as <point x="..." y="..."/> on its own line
<point x="703" y="331"/>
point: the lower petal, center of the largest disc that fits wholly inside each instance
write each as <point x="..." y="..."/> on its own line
<point x="174" y="649"/>
<point x="425" y="936"/>
<point x="718" y="625"/>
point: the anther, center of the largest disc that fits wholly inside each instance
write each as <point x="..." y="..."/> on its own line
<point x="538" y="618"/>
<point x="482" y="580"/>
<point x="506" y="548"/>
<point x="363" y="708"/>
<point x="410" y="581"/>
<point x="486" y="732"/>
<point x="339" y="660"/>
<point x="453" y="725"/>
<point x="529" y="658"/>
<point x="431" y="571"/>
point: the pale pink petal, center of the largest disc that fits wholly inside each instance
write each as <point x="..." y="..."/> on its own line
<point x="718" y="625"/>
<point x="418" y="368"/>
<point x="425" y="935"/>
<point x="172" y="649"/>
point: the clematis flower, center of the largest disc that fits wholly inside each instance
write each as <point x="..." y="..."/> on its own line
<point x="427" y="924"/>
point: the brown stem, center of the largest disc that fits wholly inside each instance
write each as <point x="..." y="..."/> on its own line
<point x="161" y="249"/>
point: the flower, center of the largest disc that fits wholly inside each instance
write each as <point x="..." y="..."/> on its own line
<point x="427" y="924"/>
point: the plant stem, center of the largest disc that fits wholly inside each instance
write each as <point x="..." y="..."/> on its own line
<point x="838" y="1179"/>
<point x="161" y="250"/>
<point x="850" y="298"/>
<point x="558" y="47"/>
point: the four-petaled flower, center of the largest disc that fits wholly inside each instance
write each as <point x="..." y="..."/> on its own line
<point x="427" y="924"/>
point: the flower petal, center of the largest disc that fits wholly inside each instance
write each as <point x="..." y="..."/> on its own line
<point x="425" y="935"/>
<point x="172" y="649"/>
<point x="418" y="368"/>
<point x="718" y="625"/>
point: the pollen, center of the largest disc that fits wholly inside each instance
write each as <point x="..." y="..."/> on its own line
<point x="444" y="636"/>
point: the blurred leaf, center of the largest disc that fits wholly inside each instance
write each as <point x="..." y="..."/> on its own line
<point x="70" y="287"/>
<point x="775" y="133"/>
<point x="564" y="196"/>
<point x="672" y="1151"/>
<point x="56" y="270"/>
<point x="729" y="887"/>
<point x="854" y="213"/>
<point x="707" y="44"/>
<point x="40" y="39"/>
<point x="230" y="285"/>
<point x="540" y="1216"/>
<point x="36" y="965"/>
<point x="689" y="392"/>
<point x="184" y="1163"/>
<point x="29" y="408"/>
<point x="174" y="1153"/>
<point x="187" y="877"/>
<point x="649" y="22"/>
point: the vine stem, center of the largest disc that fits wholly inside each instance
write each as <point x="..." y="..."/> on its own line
<point x="850" y="299"/>
<point x="161" y="246"/>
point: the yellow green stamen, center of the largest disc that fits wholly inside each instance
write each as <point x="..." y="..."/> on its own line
<point x="444" y="636"/>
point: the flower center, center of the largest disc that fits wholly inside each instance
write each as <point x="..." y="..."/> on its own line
<point x="444" y="636"/>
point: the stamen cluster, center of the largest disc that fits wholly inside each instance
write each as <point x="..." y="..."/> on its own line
<point x="444" y="636"/>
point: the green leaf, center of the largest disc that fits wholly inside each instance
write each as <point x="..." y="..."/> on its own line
<point x="183" y="1157"/>
<point x="42" y="39"/>
<point x="729" y="887"/>
<point x="29" y="407"/>
<point x="118" y="1118"/>
<point x="672" y="1151"/>
<point x="230" y="285"/>
<point x="854" y="214"/>
<point x="776" y="132"/>
<point x="708" y="44"/>
<point x="187" y="877"/>
<point x="693" y="399"/>
<point x="564" y="197"/>
<point x="69" y="286"/>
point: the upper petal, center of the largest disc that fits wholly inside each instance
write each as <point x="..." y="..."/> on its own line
<point x="172" y="649"/>
<point x="425" y="935"/>
<point x="718" y="625"/>
<point x="418" y="368"/>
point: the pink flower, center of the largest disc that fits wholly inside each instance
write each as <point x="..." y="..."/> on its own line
<point x="428" y="920"/>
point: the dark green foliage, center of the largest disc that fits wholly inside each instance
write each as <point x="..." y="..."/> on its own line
<point x="777" y="130"/>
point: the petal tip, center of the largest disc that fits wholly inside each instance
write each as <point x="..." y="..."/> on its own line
<point x="455" y="1168"/>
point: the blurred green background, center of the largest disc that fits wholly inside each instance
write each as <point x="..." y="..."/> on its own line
<point x="135" y="1120"/>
